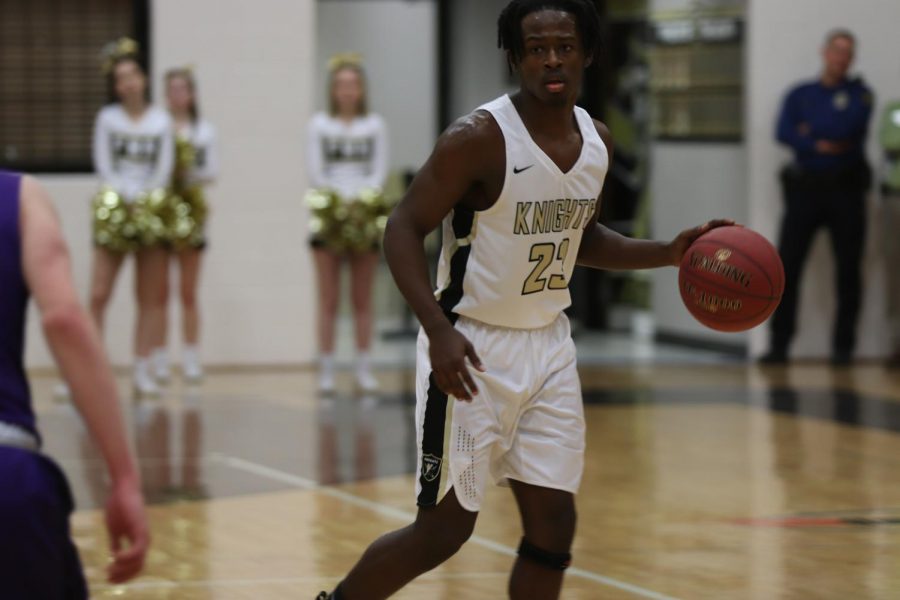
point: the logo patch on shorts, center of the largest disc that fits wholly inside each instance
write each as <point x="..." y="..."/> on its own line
<point x="431" y="467"/>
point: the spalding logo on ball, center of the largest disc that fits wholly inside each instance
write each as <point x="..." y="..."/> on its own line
<point x="731" y="279"/>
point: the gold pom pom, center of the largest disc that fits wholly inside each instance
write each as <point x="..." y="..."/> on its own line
<point x="186" y="217"/>
<point x="112" y="226"/>
<point x="186" y="227"/>
<point x="354" y="225"/>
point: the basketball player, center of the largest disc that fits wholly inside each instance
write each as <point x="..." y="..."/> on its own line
<point x="517" y="186"/>
<point x="37" y="556"/>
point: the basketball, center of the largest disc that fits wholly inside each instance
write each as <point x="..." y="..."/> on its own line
<point x="731" y="279"/>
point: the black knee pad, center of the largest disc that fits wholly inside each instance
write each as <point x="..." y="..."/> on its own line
<point x="558" y="561"/>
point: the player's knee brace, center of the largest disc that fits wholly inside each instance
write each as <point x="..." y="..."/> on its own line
<point x="558" y="561"/>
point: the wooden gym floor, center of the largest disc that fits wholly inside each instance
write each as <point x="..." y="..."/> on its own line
<point x="721" y="481"/>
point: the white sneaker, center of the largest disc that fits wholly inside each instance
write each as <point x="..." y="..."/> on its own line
<point x="61" y="392"/>
<point x="365" y="380"/>
<point x="144" y="384"/>
<point x="193" y="372"/>
<point x="146" y="387"/>
<point x="161" y="370"/>
<point x="191" y="367"/>
<point x="326" y="374"/>
<point x="326" y="382"/>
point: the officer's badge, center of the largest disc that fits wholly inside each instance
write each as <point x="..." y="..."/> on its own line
<point x="841" y="100"/>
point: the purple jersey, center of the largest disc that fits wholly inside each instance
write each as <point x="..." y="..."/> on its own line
<point x="15" y="397"/>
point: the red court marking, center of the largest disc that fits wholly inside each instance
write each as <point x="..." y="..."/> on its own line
<point x="792" y="522"/>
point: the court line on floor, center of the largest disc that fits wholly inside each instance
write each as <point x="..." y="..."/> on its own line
<point x="214" y="583"/>
<point x="408" y="517"/>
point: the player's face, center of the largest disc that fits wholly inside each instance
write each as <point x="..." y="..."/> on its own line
<point x="130" y="81"/>
<point x="348" y="91"/>
<point x="552" y="65"/>
<point x="838" y="56"/>
<point x="179" y="95"/>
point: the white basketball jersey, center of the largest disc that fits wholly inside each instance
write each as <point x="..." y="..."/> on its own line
<point x="510" y="265"/>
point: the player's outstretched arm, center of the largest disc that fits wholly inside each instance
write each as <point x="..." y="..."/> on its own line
<point x="459" y="164"/>
<point x="603" y="248"/>
<point x="75" y="344"/>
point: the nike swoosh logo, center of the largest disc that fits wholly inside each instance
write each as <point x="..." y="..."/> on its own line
<point x="516" y="171"/>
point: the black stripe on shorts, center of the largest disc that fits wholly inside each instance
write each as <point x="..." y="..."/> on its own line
<point x="432" y="444"/>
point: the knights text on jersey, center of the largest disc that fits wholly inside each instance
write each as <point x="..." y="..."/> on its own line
<point x="510" y="265"/>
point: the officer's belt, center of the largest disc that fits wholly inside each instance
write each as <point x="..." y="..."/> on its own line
<point x="14" y="436"/>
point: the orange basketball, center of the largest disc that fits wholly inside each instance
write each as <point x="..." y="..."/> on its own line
<point x="731" y="279"/>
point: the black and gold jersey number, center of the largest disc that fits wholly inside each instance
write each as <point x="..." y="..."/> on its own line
<point x="544" y="255"/>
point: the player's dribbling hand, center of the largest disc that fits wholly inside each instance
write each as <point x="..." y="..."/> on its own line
<point x="449" y="350"/>
<point x="126" y="524"/>
<point x="680" y="244"/>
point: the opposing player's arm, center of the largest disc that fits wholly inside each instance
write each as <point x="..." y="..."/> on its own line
<point x="603" y="248"/>
<point x="75" y="344"/>
<point x="463" y="159"/>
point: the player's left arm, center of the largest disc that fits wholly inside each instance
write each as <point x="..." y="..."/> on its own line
<point x="603" y="248"/>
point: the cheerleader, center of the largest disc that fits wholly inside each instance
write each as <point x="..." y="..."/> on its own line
<point x="347" y="158"/>
<point x="196" y="165"/>
<point x="133" y="156"/>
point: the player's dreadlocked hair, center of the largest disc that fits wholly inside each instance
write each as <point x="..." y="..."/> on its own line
<point x="509" y="26"/>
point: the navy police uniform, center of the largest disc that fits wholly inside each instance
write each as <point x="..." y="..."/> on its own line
<point x="824" y="190"/>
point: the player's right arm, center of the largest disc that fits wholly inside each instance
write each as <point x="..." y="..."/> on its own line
<point x="76" y="346"/>
<point x="458" y="171"/>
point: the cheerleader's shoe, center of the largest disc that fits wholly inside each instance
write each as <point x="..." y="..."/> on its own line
<point x="326" y="374"/>
<point x="326" y="382"/>
<point x="161" y="370"/>
<point x="366" y="381"/>
<point x="144" y="384"/>
<point x="192" y="371"/>
<point x="191" y="367"/>
<point x="61" y="392"/>
<point x="146" y="388"/>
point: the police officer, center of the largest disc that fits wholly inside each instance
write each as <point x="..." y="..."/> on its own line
<point x="824" y="122"/>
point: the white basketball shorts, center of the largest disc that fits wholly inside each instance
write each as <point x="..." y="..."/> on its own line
<point x="526" y="424"/>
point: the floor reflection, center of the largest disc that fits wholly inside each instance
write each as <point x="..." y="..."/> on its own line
<point x="364" y="437"/>
<point x="168" y="441"/>
<point x="181" y="440"/>
<point x="698" y="483"/>
<point x="184" y="441"/>
<point x="841" y="404"/>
